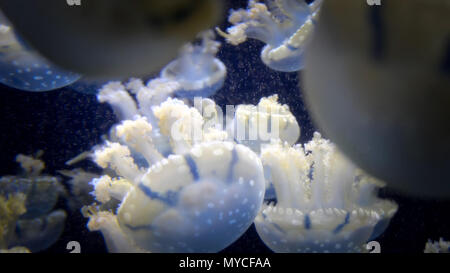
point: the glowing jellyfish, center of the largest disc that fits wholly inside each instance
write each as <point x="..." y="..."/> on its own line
<point x="440" y="246"/>
<point x="285" y="26"/>
<point x="26" y="202"/>
<point x="200" y="198"/>
<point x="324" y="203"/>
<point x="197" y="69"/>
<point x="24" y="69"/>
<point x="254" y="126"/>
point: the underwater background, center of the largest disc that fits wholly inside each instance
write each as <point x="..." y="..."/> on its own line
<point x="63" y="123"/>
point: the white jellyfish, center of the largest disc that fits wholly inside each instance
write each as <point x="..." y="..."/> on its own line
<point x="284" y="25"/>
<point x="440" y="246"/>
<point x="24" y="69"/>
<point x="257" y="125"/>
<point x="199" y="198"/>
<point x="323" y="202"/>
<point x="197" y="69"/>
<point x="26" y="202"/>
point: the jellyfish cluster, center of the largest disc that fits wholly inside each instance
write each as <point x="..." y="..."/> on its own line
<point x="198" y="192"/>
<point x="176" y="179"/>
<point x="285" y="26"/>
<point x="28" y="222"/>
<point x="177" y="175"/>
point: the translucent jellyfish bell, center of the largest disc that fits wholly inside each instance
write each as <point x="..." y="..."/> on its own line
<point x="197" y="69"/>
<point x="324" y="203"/>
<point x="284" y="25"/>
<point x="24" y="69"/>
<point x="28" y="220"/>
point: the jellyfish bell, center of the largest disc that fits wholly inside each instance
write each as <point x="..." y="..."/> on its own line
<point x="110" y="38"/>
<point x="197" y="69"/>
<point x="23" y="68"/>
<point x="377" y="83"/>
<point x="205" y="212"/>
<point x="284" y="26"/>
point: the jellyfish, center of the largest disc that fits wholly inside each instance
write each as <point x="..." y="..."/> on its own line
<point x="285" y="26"/>
<point x="199" y="198"/>
<point x="255" y="126"/>
<point x="197" y="69"/>
<point x="24" y="69"/>
<point x="323" y="202"/>
<point x="111" y="38"/>
<point x="440" y="246"/>
<point x="27" y="201"/>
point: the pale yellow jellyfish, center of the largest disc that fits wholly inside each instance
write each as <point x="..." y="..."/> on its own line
<point x="199" y="198"/>
<point x="323" y="202"/>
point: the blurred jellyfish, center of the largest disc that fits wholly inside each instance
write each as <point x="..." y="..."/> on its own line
<point x="35" y="226"/>
<point x="284" y="25"/>
<point x="24" y="69"/>
<point x="324" y="203"/>
<point x="254" y="126"/>
<point x="197" y="69"/>
<point x="200" y="198"/>
<point x="111" y="38"/>
<point x="11" y="207"/>
<point x="368" y="72"/>
<point x="440" y="246"/>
